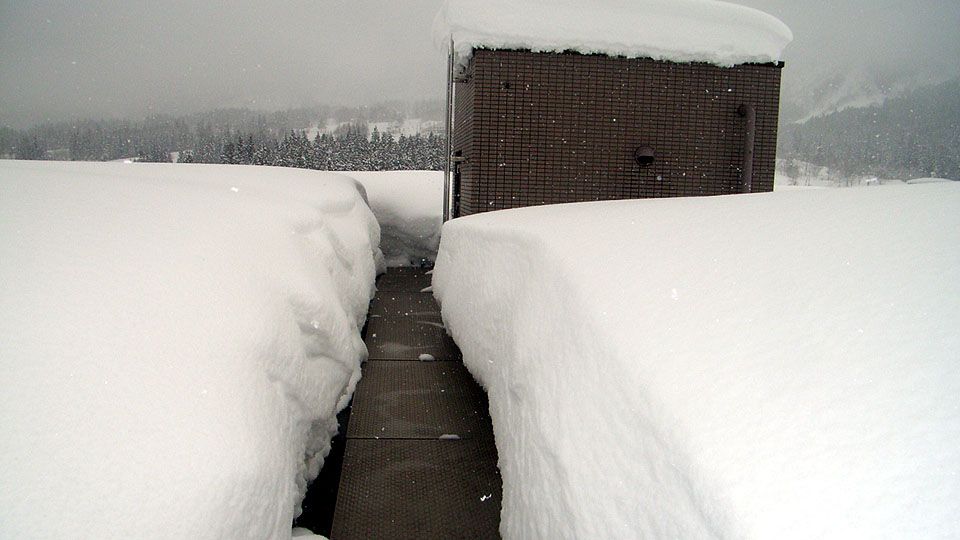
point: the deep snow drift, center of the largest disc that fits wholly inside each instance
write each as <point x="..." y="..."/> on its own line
<point x="677" y="30"/>
<point x="779" y="365"/>
<point x="175" y="341"/>
<point x="409" y="207"/>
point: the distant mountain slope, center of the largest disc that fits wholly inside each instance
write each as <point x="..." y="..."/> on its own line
<point x="858" y="87"/>
<point x="917" y="134"/>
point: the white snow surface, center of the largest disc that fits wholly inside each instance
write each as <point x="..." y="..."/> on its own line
<point x="780" y="365"/>
<point x="928" y="180"/>
<point x="711" y="31"/>
<point x="409" y="207"/>
<point x="175" y="342"/>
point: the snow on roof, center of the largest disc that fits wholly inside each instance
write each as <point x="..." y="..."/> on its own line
<point x="678" y="30"/>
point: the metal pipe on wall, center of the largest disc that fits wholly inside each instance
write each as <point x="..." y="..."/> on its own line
<point x="448" y="165"/>
<point x="750" y="113"/>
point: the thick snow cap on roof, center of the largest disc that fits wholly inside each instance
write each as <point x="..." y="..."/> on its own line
<point x="677" y="30"/>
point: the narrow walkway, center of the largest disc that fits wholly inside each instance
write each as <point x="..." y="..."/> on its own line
<point x="420" y="461"/>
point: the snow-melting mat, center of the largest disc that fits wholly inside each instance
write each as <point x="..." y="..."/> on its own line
<point x="175" y="342"/>
<point x="777" y="365"/>
<point x="406" y="326"/>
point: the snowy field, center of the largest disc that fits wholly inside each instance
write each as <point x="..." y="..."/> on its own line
<point x="409" y="207"/>
<point x="175" y="342"/>
<point x="779" y="365"/>
<point x="796" y="174"/>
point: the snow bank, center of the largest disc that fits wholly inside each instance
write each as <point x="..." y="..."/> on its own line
<point x="677" y="30"/>
<point x="779" y="365"/>
<point x="409" y="207"/>
<point x="175" y="341"/>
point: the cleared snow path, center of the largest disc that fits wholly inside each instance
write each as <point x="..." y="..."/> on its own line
<point x="420" y="460"/>
<point x="409" y="207"/>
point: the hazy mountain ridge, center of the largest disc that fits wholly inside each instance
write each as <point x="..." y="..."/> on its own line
<point x="912" y="135"/>
<point x="860" y="86"/>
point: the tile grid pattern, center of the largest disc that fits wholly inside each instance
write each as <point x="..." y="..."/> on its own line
<point x="542" y="128"/>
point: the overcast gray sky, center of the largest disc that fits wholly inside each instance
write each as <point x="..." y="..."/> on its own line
<point x="128" y="58"/>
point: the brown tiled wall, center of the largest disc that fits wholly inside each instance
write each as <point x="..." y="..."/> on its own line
<point x="463" y="142"/>
<point x="549" y="128"/>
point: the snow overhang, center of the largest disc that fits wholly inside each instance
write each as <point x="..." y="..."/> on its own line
<point x="709" y="31"/>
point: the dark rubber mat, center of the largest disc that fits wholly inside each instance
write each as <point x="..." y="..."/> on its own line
<point x="409" y="341"/>
<point x="420" y="459"/>
<point x="418" y="400"/>
<point x="404" y="326"/>
<point x="404" y="280"/>
<point x="404" y="304"/>
<point x="418" y="489"/>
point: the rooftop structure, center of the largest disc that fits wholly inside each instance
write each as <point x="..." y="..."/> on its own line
<point x="564" y="102"/>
